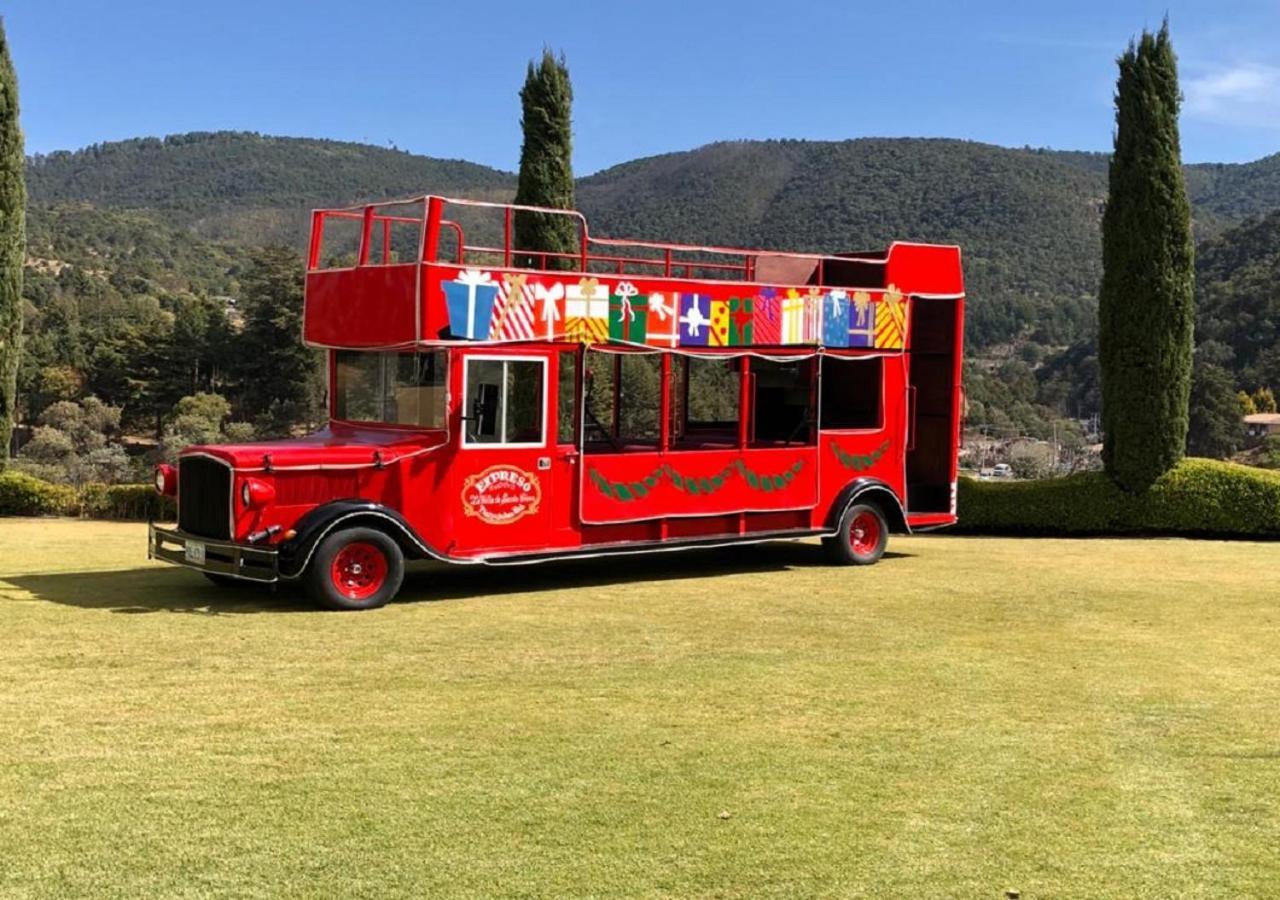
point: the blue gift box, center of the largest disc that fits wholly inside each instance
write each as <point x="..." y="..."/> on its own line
<point x="862" y="320"/>
<point x="695" y="320"/>
<point x="835" y="319"/>
<point x="470" y="299"/>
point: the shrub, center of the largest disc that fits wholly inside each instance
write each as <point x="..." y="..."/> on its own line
<point x="26" y="495"/>
<point x="1196" y="497"/>
<point x="125" y="501"/>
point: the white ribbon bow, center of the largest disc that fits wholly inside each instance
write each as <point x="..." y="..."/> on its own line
<point x="548" y="296"/>
<point x="658" y="304"/>
<point x="626" y="290"/>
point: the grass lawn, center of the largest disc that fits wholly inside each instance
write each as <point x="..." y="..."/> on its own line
<point x="1065" y="718"/>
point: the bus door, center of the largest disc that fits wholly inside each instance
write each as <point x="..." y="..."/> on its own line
<point x="502" y="469"/>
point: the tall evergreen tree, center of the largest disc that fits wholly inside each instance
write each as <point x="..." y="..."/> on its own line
<point x="13" y="243"/>
<point x="280" y="379"/>
<point x="546" y="167"/>
<point x="1146" y="306"/>
<point x="1214" y="429"/>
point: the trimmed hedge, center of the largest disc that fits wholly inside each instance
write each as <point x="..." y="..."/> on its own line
<point x="26" y="495"/>
<point x="1197" y="497"/>
<point x="125" y="501"/>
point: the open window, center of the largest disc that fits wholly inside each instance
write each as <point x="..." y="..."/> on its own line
<point x="622" y="394"/>
<point x="782" y="402"/>
<point x="567" y="396"/>
<point x="852" y="392"/>
<point x="504" y="401"/>
<point x="706" y="404"/>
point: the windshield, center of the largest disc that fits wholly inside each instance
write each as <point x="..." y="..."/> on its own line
<point x="392" y="388"/>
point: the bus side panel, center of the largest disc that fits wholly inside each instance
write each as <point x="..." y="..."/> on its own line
<point x="847" y="455"/>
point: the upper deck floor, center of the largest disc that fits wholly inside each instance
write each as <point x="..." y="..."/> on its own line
<point x="440" y="270"/>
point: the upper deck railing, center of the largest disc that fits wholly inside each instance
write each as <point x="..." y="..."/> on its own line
<point x="382" y="275"/>
<point x="387" y="236"/>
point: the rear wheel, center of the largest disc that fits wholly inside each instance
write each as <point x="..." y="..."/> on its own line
<point x="861" y="538"/>
<point x="356" y="568"/>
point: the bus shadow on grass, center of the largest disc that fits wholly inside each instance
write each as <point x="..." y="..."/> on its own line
<point x="173" y="589"/>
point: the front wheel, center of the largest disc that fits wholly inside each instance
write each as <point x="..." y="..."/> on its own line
<point x="862" y="536"/>
<point x="356" y="568"/>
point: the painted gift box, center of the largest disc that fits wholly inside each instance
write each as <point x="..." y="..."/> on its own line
<point x="795" y="318"/>
<point x="766" y="318"/>
<point x="695" y="320"/>
<point x="891" y="320"/>
<point x="835" y="319"/>
<point x="586" y="312"/>
<point x="513" y="310"/>
<point x="741" y="319"/>
<point x="548" y="311"/>
<point x="628" y="314"/>
<point x="719" y="323"/>
<point x="469" y="299"/>
<point x="663" y="321"/>
<point x="862" y="320"/>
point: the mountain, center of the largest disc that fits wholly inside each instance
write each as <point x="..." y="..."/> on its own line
<point x="1027" y="222"/>
<point x="244" y="187"/>
<point x="1238" y="293"/>
<point x="130" y="237"/>
<point x="1027" y="219"/>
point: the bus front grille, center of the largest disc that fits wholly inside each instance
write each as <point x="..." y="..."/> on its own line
<point x="204" y="497"/>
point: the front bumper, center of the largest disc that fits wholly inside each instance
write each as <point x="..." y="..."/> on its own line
<point x="261" y="564"/>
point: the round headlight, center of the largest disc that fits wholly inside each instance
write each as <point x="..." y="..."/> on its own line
<point x="166" y="479"/>
<point x="254" y="492"/>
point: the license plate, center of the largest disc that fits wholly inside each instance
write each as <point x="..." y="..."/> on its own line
<point x="194" y="552"/>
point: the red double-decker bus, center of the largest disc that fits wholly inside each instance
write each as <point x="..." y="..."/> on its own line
<point x="491" y="405"/>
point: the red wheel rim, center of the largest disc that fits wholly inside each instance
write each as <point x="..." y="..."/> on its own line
<point x="864" y="533"/>
<point x="359" y="570"/>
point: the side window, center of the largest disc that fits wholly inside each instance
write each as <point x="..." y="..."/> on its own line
<point x="851" y="390"/>
<point x="706" y="408"/>
<point x="567" y="404"/>
<point x="623" y="397"/>
<point x="503" y="401"/>
<point x="781" y="402"/>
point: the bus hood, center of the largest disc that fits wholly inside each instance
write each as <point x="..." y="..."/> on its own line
<point x="337" y="446"/>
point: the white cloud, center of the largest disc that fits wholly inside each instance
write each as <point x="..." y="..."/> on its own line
<point x="1242" y="94"/>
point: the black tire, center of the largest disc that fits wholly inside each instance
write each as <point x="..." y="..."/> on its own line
<point x="862" y="536"/>
<point x="368" y="572"/>
<point x="223" y="581"/>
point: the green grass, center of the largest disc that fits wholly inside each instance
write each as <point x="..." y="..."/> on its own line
<point x="1066" y="718"/>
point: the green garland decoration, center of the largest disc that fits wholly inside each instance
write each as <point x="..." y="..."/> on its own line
<point x="858" y="462"/>
<point x="634" y="490"/>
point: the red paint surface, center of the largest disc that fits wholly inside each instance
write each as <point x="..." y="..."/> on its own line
<point x="555" y="501"/>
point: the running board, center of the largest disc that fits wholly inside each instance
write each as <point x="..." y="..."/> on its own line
<point x="624" y="548"/>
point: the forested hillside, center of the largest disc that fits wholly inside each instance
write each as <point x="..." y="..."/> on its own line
<point x="1028" y="223"/>
<point x="140" y="244"/>
<point x="1238" y="277"/>
<point x="247" y="188"/>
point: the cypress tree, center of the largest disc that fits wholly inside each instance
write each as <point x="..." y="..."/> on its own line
<point x="1146" y="306"/>
<point x="546" y="167"/>
<point x="13" y="243"/>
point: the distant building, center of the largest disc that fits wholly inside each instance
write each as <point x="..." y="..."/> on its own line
<point x="1260" y="425"/>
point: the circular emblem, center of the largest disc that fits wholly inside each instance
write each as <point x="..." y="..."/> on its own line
<point x="501" y="495"/>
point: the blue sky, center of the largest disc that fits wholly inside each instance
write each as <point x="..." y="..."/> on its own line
<point x="649" y="77"/>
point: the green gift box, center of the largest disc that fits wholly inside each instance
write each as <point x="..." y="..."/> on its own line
<point x="628" y="314"/>
<point x="741" y="314"/>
